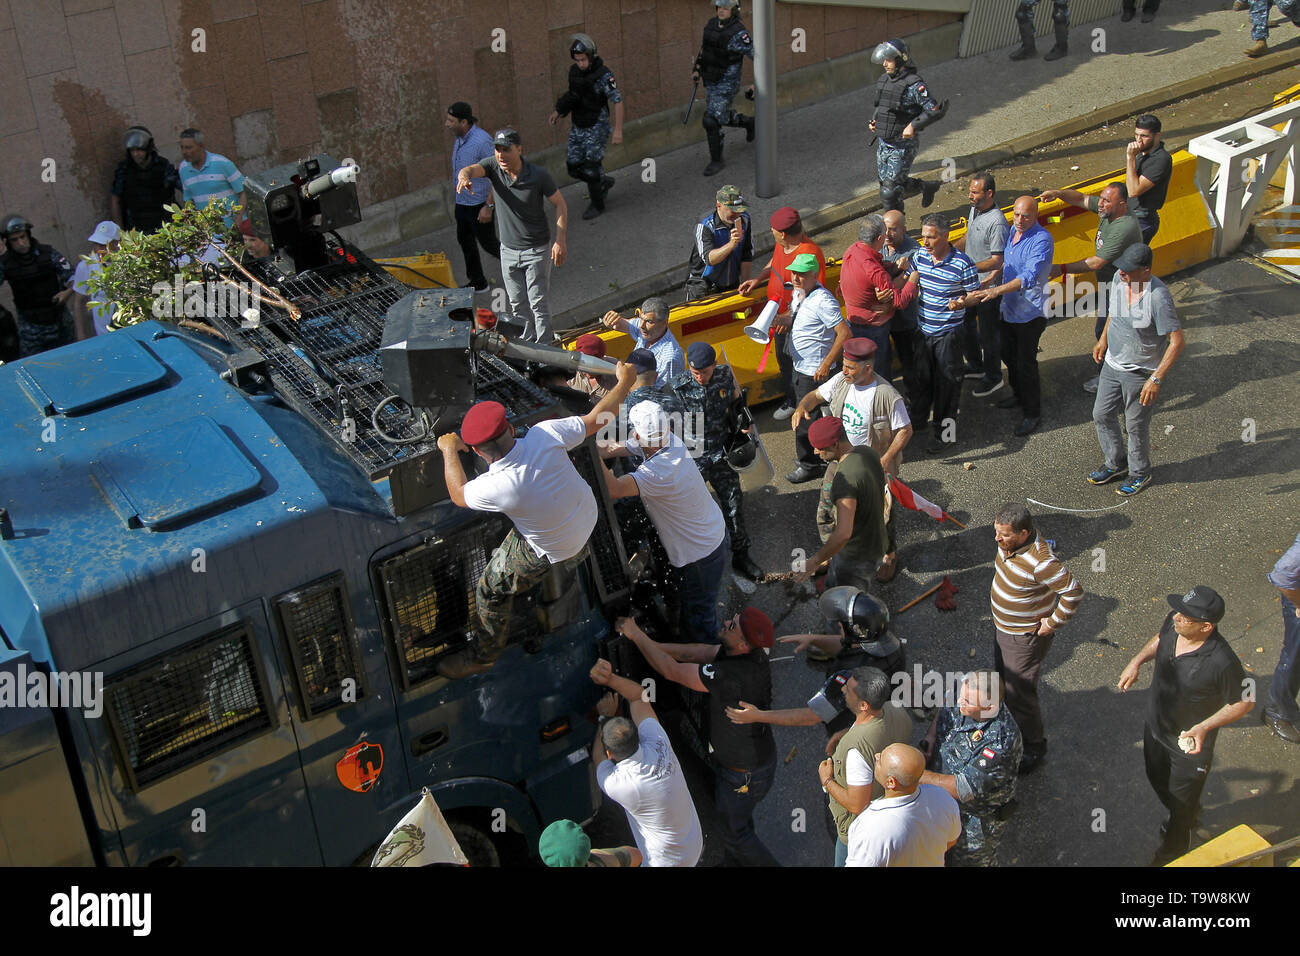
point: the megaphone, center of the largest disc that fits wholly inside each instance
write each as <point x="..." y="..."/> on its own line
<point x="757" y="330"/>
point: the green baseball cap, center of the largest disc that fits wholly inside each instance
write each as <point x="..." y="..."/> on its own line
<point x="730" y="197"/>
<point x="564" y="844"/>
<point x="804" y="262"/>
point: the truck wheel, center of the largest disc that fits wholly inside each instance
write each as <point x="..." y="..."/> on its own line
<point x="475" y="844"/>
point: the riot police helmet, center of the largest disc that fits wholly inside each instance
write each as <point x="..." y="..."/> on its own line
<point x="733" y="4"/>
<point x="892" y="49"/>
<point x="581" y="43"/>
<point x="742" y="454"/>
<point x="138" y="137"/>
<point x="15" y="224"/>
<point x="865" y="619"/>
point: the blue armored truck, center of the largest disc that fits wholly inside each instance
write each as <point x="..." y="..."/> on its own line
<point x="228" y="569"/>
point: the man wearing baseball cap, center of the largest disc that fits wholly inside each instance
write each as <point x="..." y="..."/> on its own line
<point x="532" y="481"/>
<point x="817" y="336"/>
<point x="744" y="755"/>
<point x="791" y="241"/>
<point x="527" y="252"/>
<point x="860" y="537"/>
<point x="688" y="520"/>
<point x="722" y="254"/>
<point x="650" y="387"/>
<point x="93" y="320"/>
<point x="1138" y="346"/>
<point x="474" y="206"/>
<point x="1197" y="687"/>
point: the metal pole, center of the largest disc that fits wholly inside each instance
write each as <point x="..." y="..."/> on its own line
<point x="767" y="182"/>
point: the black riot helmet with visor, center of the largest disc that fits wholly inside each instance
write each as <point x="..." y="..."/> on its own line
<point x="894" y="50"/>
<point x="864" y="619"/>
<point x="581" y="43"/>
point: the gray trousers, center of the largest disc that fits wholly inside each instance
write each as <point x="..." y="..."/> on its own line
<point x="1119" y="392"/>
<point x="527" y="277"/>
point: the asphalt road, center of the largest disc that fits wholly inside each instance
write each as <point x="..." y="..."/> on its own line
<point x="1219" y="511"/>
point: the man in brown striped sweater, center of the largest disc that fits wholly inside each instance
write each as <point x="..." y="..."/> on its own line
<point x="1032" y="595"/>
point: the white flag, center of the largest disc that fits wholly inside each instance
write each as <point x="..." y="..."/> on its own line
<point x="421" y="838"/>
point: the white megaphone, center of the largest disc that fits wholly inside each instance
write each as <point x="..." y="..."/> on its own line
<point x="757" y="330"/>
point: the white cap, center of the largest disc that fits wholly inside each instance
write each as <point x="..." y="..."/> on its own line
<point x="106" y="232"/>
<point x="649" y="422"/>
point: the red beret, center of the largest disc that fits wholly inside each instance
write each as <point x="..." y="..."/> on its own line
<point x="482" y="423"/>
<point x="859" y="349"/>
<point x="245" y="227"/>
<point x="784" y="218"/>
<point x="824" y="432"/>
<point x="590" y="344"/>
<point x="757" y="628"/>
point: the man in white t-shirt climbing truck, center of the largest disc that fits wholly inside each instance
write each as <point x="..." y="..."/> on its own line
<point x="641" y="773"/>
<point x="533" y="482"/>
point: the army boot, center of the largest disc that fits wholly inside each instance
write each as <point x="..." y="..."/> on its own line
<point x="748" y="123"/>
<point x="1062" y="42"/>
<point x="715" y="153"/>
<point x="745" y="566"/>
<point x="1027" y="49"/>
<point x="464" y="663"/>
<point x="1258" y="48"/>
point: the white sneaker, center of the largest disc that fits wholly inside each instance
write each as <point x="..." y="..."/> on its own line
<point x="782" y="413"/>
<point x="1091" y="384"/>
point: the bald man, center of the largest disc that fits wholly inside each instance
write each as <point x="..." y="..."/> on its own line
<point x="1026" y="267"/>
<point x="896" y="254"/>
<point x="913" y="824"/>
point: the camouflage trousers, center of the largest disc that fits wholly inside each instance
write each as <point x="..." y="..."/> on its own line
<point x="892" y="166"/>
<point x="514" y="568"/>
<point x="35" y="337"/>
<point x="726" y="483"/>
<point x="978" y="843"/>
<point x="1259" y="15"/>
<point x="717" y="103"/>
<point x="587" y="145"/>
<point x="1060" y="10"/>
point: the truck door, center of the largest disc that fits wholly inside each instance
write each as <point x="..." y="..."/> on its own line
<point x="198" y="751"/>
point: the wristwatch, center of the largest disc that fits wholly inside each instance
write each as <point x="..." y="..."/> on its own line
<point x="1155" y="380"/>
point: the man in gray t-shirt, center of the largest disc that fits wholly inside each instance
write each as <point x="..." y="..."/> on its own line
<point x="987" y="230"/>
<point x="1140" y="343"/>
<point x="527" y="253"/>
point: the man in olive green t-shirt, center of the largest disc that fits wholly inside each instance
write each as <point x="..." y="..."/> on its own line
<point x="860" y="538"/>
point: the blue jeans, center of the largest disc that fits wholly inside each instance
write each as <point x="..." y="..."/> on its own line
<point x="736" y="813"/>
<point x="883" y="362"/>
<point x="841" y="852"/>
<point x="1286" y="677"/>
<point x="698" y="584"/>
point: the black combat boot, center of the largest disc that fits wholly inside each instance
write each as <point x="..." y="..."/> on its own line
<point x="1027" y="48"/>
<point x="715" y="152"/>
<point x="1062" y="41"/>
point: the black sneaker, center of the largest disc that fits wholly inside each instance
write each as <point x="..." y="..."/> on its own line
<point x="746" y="567"/>
<point x="804" y="473"/>
<point x="936" y="445"/>
<point x="987" y="388"/>
<point x="715" y="166"/>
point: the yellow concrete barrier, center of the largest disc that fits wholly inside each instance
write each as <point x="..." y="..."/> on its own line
<point x="1240" y="841"/>
<point x="425" y="271"/>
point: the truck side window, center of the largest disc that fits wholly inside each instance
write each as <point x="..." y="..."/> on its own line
<point x="317" y="626"/>
<point x="186" y="706"/>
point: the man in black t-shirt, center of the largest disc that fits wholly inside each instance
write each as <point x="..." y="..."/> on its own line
<point x="1146" y="174"/>
<point x="744" y="755"/>
<point x="1198" y="686"/>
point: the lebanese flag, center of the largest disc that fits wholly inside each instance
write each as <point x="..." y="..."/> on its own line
<point x="908" y="499"/>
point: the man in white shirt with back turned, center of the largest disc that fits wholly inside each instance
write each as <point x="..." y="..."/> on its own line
<point x="913" y="824"/>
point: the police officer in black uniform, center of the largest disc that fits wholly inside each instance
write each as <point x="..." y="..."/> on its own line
<point x="710" y="393"/>
<point x="903" y="107"/>
<point x="591" y="90"/>
<point x="41" y="280"/>
<point x="974" y="753"/>
<point x="142" y="184"/>
<point x="724" y="48"/>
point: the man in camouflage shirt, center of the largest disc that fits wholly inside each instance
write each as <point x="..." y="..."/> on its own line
<point x="708" y="391"/>
<point x="975" y="752"/>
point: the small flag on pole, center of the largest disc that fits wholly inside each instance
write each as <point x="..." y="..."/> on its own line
<point x="910" y="499"/>
<point x="421" y="838"/>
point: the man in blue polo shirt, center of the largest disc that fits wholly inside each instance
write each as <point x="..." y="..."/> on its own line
<point x="474" y="206"/>
<point x="722" y="254"/>
<point x="1026" y="266"/>
<point x="205" y="175"/>
<point x="946" y="275"/>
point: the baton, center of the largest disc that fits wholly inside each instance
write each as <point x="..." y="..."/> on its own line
<point x="686" y="116"/>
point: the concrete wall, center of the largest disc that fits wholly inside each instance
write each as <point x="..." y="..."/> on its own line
<point x="270" y="81"/>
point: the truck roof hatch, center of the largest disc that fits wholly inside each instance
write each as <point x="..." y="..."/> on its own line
<point x="108" y="369"/>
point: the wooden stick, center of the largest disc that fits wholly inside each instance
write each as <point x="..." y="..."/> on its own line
<point x="919" y="599"/>
<point x="955" y="521"/>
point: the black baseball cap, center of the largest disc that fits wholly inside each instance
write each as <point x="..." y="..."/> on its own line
<point x="701" y="355"/>
<point x="1136" y="256"/>
<point x="505" y="138"/>
<point x="1201" y="602"/>
<point x="461" y="110"/>
<point x="643" y="360"/>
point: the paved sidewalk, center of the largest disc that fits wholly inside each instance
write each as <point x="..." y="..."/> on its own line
<point x="825" y="160"/>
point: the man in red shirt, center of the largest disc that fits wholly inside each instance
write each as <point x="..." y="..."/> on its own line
<point x="791" y="241"/>
<point x="868" y="292"/>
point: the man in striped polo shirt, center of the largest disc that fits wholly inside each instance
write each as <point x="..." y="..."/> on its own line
<point x="946" y="275"/>
<point x="206" y="176"/>
<point x="1032" y="595"/>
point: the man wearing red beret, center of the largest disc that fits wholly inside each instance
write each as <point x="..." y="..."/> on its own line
<point x="597" y="386"/>
<point x="791" y="241"/>
<point x="860" y="538"/>
<point x="744" y="755"/>
<point x="533" y="482"/>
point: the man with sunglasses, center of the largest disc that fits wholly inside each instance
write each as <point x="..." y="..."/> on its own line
<point x="744" y="755"/>
<point x="1197" y="687"/>
<point x="650" y="331"/>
